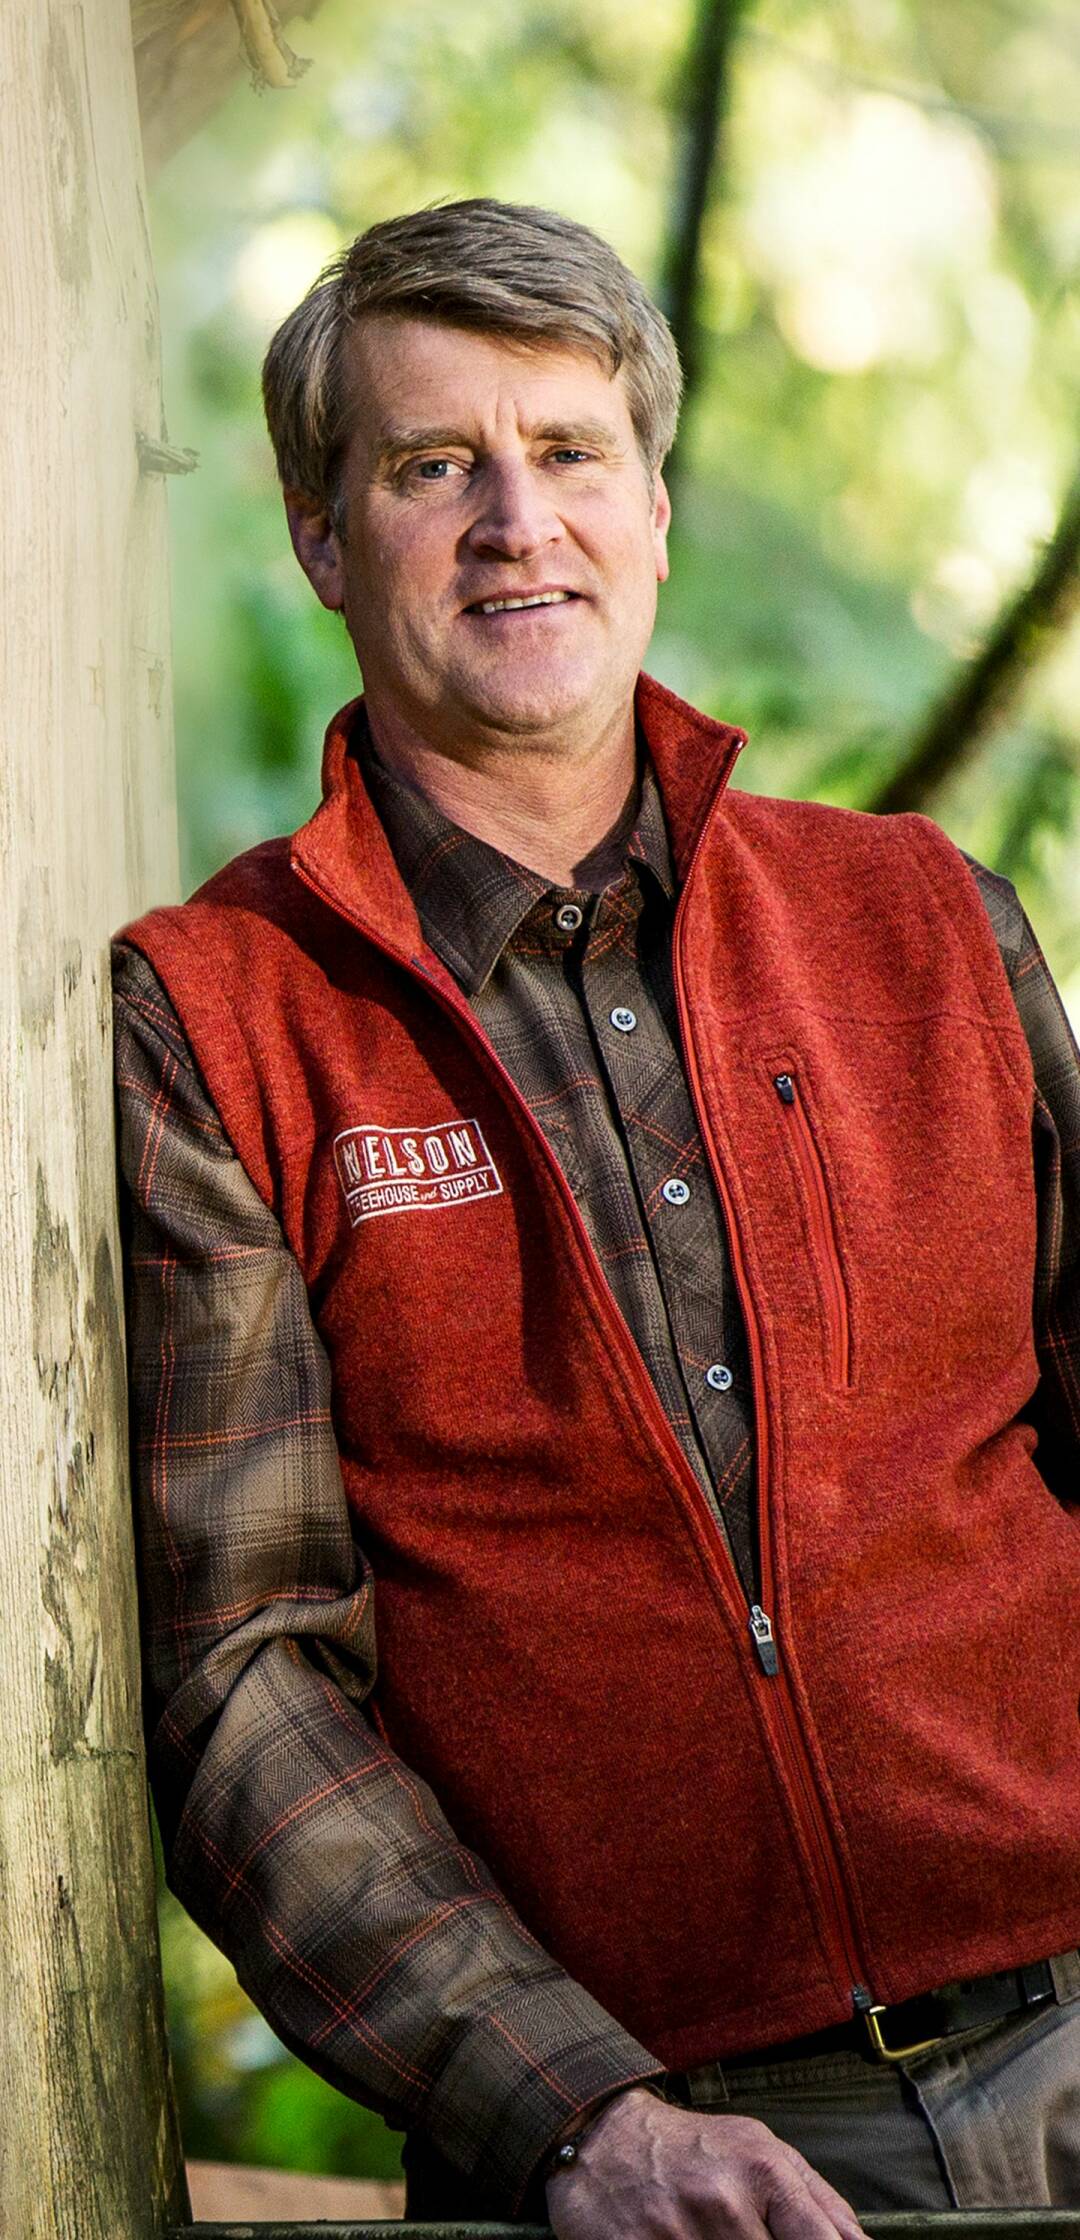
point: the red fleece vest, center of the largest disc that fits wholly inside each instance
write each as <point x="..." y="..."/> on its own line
<point x="719" y="1853"/>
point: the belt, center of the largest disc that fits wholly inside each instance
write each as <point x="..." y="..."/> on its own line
<point x="914" y="2026"/>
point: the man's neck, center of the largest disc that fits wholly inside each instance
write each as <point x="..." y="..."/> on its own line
<point x="567" y="817"/>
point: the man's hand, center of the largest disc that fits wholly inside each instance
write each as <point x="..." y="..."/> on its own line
<point x="647" y="2171"/>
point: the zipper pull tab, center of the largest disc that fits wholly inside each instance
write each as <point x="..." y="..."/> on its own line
<point x="784" y="1084"/>
<point x="761" y="1628"/>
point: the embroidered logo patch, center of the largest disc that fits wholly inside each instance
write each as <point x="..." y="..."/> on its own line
<point x="412" y="1170"/>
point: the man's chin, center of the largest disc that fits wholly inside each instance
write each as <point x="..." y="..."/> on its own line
<point x="515" y="708"/>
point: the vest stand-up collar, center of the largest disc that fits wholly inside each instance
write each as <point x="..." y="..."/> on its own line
<point x="344" y="852"/>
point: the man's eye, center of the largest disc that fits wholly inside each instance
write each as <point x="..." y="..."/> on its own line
<point x="567" y="455"/>
<point x="433" y="470"/>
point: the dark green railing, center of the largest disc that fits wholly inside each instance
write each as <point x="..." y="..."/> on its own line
<point x="940" y="2224"/>
<point x="396" y="2231"/>
<point x="244" y="2230"/>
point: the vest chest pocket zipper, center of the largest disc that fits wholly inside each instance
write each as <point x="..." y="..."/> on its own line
<point x="822" y="1229"/>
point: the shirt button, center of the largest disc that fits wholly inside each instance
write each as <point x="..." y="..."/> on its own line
<point x="718" y="1377"/>
<point x="623" y="1018"/>
<point x="675" y="1191"/>
<point x="568" y="917"/>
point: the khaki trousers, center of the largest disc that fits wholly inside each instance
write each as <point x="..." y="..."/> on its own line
<point x="991" y="2119"/>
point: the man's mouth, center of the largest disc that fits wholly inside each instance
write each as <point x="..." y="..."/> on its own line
<point x="525" y="599"/>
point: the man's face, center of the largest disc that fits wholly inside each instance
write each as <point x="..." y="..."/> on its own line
<point x="479" y="473"/>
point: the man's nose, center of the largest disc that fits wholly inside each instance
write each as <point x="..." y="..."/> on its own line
<point x="514" y="517"/>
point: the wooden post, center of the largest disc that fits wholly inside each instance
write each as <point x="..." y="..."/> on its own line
<point x="88" y="2142"/>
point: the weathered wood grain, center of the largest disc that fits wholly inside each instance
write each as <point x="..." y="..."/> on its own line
<point x="87" y="826"/>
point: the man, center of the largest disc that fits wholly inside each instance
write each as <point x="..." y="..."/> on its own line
<point x="606" y="1541"/>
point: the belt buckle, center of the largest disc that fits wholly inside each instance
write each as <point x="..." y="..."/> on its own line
<point x="882" y="2052"/>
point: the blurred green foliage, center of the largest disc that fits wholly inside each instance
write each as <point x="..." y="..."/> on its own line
<point x="242" y="2097"/>
<point x="885" y="426"/>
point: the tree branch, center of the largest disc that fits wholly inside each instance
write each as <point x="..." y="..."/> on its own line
<point x="701" y="109"/>
<point x="985" y="692"/>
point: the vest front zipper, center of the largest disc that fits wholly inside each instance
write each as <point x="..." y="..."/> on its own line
<point x="823" y="1227"/>
<point x="780" y="1714"/>
<point x="781" y="1709"/>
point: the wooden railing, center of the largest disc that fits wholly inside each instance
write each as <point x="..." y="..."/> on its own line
<point x="394" y="2231"/>
<point x="939" y="2224"/>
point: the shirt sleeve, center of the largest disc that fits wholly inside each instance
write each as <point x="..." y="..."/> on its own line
<point x="376" y="1945"/>
<point x="1055" y="1408"/>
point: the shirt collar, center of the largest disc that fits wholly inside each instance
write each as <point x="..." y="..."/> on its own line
<point x="343" y="855"/>
<point x="470" y="898"/>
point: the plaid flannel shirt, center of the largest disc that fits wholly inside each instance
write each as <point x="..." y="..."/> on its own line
<point x="294" y="1835"/>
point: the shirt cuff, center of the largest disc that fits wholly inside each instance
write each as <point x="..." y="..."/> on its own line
<point x="524" y="2077"/>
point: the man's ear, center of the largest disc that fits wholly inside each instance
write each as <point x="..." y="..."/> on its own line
<point x="661" y="525"/>
<point x="317" y="547"/>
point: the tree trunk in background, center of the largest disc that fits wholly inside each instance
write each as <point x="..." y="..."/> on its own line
<point x="701" y="110"/>
<point x="985" y="692"/>
<point x="88" y="2145"/>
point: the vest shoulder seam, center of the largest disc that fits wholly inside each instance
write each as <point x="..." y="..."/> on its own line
<point x="989" y="972"/>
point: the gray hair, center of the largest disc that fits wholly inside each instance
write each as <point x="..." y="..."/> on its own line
<point x="501" y="268"/>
